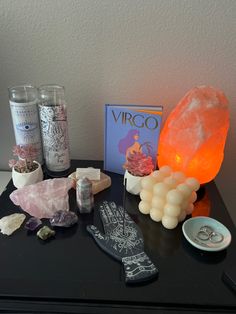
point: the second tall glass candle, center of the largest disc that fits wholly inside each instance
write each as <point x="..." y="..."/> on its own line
<point x="54" y="128"/>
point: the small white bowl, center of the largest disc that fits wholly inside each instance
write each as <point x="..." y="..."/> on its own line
<point x="192" y="226"/>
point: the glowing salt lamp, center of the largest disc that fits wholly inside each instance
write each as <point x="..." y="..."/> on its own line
<point x="193" y="137"/>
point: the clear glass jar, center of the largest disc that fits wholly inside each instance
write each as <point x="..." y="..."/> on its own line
<point x="54" y="129"/>
<point x="23" y="101"/>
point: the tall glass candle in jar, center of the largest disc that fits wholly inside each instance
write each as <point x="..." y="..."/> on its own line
<point x="54" y="128"/>
<point x="23" y="101"/>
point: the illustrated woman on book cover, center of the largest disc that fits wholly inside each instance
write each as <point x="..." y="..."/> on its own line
<point x="129" y="144"/>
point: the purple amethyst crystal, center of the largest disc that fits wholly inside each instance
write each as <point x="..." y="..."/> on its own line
<point x="63" y="218"/>
<point x="33" y="223"/>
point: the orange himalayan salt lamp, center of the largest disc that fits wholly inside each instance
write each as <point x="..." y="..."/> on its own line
<point x="193" y="137"/>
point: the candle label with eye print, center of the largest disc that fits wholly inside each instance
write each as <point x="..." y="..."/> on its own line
<point x="55" y="137"/>
<point x="25" y="120"/>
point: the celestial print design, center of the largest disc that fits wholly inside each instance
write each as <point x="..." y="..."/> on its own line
<point x="126" y="241"/>
<point x="55" y="137"/>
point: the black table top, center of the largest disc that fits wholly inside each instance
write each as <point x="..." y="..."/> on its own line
<point x="71" y="274"/>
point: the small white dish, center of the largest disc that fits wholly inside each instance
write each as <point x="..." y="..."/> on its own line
<point x="192" y="226"/>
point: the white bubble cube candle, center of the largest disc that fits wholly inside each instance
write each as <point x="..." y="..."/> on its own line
<point x="168" y="196"/>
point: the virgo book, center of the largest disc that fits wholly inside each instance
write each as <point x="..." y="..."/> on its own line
<point x="128" y="129"/>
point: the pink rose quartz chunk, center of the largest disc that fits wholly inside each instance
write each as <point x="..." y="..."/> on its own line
<point x="43" y="199"/>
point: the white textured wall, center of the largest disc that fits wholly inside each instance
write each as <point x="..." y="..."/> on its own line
<point x="114" y="51"/>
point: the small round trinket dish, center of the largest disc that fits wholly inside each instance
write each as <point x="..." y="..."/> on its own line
<point x="206" y="234"/>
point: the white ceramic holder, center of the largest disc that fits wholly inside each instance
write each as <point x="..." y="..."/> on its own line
<point x="22" y="179"/>
<point x="133" y="183"/>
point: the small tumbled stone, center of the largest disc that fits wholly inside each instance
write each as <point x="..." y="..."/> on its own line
<point x="33" y="223"/>
<point x="64" y="218"/>
<point x="11" y="223"/>
<point x="45" y="233"/>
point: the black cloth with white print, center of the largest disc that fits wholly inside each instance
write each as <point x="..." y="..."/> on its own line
<point x="123" y="240"/>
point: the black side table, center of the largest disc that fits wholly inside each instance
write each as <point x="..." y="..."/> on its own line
<point x="70" y="274"/>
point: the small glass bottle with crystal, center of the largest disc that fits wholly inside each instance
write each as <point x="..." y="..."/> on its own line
<point x="54" y="129"/>
<point x="23" y="101"/>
